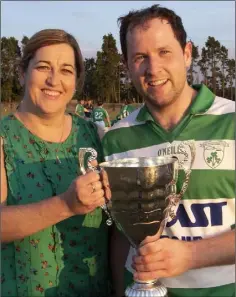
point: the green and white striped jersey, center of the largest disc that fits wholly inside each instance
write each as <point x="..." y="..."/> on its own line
<point x="208" y="206"/>
<point x="125" y="111"/>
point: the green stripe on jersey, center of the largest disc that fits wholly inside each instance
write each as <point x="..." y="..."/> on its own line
<point x="209" y="184"/>
<point x="199" y="127"/>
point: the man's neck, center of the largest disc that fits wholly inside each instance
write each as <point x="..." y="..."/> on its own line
<point x="169" y="116"/>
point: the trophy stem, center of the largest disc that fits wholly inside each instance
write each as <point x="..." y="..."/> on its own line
<point x="152" y="288"/>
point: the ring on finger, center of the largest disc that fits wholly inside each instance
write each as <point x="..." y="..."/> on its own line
<point x="93" y="188"/>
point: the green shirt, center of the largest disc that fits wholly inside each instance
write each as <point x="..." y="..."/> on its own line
<point x="79" y="109"/>
<point x="66" y="259"/>
<point x="125" y="111"/>
<point x="208" y="206"/>
<point x="99" y="114"/>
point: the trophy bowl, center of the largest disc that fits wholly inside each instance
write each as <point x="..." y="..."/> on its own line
<point x="143" y="199"/>
<point x="139" y="188"/>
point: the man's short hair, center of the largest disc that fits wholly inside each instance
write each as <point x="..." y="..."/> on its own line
<point x="100" y="102"/>
<point x="140" y="17"/>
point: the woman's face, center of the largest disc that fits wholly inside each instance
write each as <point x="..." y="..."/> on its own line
<point x="50" y="79"/>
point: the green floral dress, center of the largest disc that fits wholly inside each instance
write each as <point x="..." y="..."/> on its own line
<point x="71" y="257"/>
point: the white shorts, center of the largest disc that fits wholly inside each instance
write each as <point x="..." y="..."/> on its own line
<point x="101" y="124"/>
<point x="102" y="129"/>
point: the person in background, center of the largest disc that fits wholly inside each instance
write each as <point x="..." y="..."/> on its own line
<point x="90" y="104"/>
<point x="100" y="116"/>
<point x="53" y="232"/>
<point x="196" y="255"/>
<point x="126" y="109"/>
<point x="79" y="109"/>
<point x="88" y="108"/>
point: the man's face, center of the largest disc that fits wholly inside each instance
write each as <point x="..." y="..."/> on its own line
<point x="156" y="62"/>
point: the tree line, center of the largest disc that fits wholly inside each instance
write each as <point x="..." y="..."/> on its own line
<point x="106" y="77"/>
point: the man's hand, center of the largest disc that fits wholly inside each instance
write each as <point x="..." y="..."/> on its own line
<point x="162" y="258"/>
<point x="159" y="258"/>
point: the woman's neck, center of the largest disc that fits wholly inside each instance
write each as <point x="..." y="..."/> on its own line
<point x="40" y="118"/>
<point x="53" y="127"/>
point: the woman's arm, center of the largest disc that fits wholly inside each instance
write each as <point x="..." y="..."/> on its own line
<point x="19" y="221"/>
<point x="3" y="189"/>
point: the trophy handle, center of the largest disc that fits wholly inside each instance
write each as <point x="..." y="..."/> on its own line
<point x="187" y="171"/>
<point x="93" y="156"/>
<point x="174" y="198"/>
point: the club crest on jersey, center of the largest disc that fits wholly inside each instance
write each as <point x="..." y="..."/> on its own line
<point x="213" y="152"/>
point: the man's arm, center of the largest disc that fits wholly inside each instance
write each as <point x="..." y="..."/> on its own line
<point x="170" y="257"/>
<point x="107" y="118"/>
<point x="218" y="250"/>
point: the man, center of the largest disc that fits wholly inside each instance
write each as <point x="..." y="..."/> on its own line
<point x="153" y="43"/>
<point x="126" y="109"/>
<point x="79" y="109"/>
<point x="88" y="107"/>
<point x="100" y="115"/>
<point x="101" y="118"/>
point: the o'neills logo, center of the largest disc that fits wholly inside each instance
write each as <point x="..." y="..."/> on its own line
<point x="171" y="150"/>
<point x="181" y="151"/>
<point x="214" y="152"/>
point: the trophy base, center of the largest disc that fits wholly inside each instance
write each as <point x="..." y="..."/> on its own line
<point x="146" y="289"/>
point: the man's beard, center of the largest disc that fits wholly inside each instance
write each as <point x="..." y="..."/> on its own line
<point x="161" y="104"/>
<point x="157" y="104"/>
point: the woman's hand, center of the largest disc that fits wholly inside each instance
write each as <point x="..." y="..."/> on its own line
<point x="85" y="194"/>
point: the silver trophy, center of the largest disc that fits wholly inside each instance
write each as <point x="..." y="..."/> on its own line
<point x="144" y="199"/>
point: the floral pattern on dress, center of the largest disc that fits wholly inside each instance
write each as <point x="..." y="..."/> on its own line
<point x="71" y="257"/>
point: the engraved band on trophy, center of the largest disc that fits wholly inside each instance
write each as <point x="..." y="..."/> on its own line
<point x="144" y="198"/>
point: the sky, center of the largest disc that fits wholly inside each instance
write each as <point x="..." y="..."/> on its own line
<point x="89" y="21"/>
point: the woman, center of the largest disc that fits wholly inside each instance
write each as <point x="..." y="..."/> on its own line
<point x="53" y="231"/>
